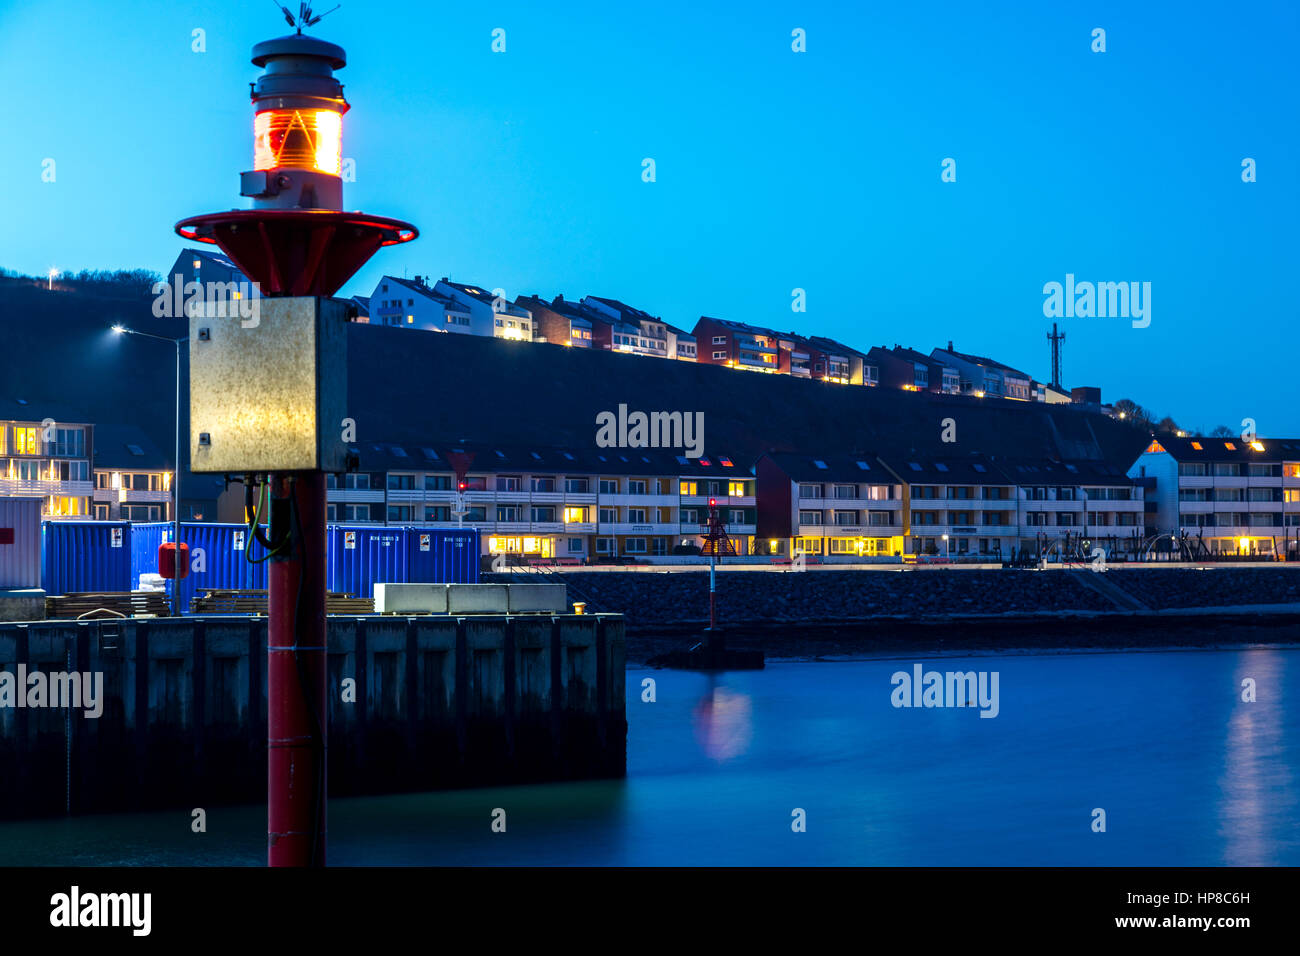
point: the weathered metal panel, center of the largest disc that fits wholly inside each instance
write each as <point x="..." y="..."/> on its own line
<point x="269" y="393"/>
<point x="20" y="542"/>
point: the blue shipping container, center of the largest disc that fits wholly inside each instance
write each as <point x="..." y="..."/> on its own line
<point x="361" y="557"/>
<point x="217" y="560"/>
<point x="111" y="556"/>
<point x="145" y="540"/>
<point x="440" y="556"/>
<point x="86" y="556"/>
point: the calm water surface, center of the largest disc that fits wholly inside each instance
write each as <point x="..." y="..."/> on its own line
<point x="1187" y="773"/>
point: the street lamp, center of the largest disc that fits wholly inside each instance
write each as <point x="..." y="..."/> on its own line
<point x="947" y="549"/>
<point x="176" y="461"/>
<point x="50" y="277"/>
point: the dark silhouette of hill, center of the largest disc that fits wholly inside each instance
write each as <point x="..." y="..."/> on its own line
<point x="412" y="387"/>
<point x="56" y="349"/>
<point x="421" y="387"/>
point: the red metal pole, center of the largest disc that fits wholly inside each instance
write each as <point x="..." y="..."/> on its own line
<point x="296" y="667"/>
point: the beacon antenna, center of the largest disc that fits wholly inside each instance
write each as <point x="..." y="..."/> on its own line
<point x="305" y="17"/>
<point x="288" y="17"/>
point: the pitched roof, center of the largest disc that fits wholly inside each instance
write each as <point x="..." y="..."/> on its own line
<point x="544" y="459"/>
<point x="214" y="257"/>
<point x="984" y="360"/>
<point x="967" y="469"/>
<point x="829" y="345"/>
<point x="1227" y="449"/>
<point x="127" y="446"/>
<point x="629" y="313"/>
<point x="844" y="469"/>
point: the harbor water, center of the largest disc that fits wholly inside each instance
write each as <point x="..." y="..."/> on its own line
<point x="813" y="764"/>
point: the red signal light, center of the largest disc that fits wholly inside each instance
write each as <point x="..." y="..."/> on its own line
<point x="713" y="502"/>
<point x="463" y="485"/>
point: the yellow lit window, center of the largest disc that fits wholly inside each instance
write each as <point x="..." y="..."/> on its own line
<point x="1257" y="445"/>
<point x="574" y="515"/>
<point x="689" y="488"/>
<point x="1292" y="495"/>
<point x="1196" y="445"/>
<point x="65" y="507"/>
<point x="1230" y="446"/>
<point x="25" y="441"/>
<point x="736" y="489"/>
<point x="1291" y="469"/>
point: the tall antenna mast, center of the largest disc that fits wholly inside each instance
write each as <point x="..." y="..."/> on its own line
<point x="1057" y="338"/>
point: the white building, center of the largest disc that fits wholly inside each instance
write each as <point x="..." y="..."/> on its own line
<point x="1237" y="497"/>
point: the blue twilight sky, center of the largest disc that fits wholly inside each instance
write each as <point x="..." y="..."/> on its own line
<point x="776" y="170"/>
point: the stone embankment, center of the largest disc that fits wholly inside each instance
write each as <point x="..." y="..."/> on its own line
<point x="871" y="612"/>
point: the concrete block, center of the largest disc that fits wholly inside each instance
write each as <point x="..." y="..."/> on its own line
<point x="411" y="598"/>
<point x="535" y="598"/>
<point x="477" y="599"/>
<point x="22" y="604"/>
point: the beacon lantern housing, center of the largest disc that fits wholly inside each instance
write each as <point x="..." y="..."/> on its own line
<point x="298" y="109"/>
<point x="268" y="394"/>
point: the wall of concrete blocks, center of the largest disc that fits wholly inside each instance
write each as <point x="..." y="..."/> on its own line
<point x="438" y="702"/>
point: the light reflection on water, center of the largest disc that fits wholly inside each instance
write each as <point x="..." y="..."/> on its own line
<point x="1188" y="775"/>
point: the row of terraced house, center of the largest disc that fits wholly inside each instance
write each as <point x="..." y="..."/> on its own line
<point x="591" y="504"/>
<point x="597" y="322"/>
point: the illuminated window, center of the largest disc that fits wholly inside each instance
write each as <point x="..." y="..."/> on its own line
<point x="689" y="488"/>
<point x="736" y="489"/>
<point x="1257" y="445"/>
<point x="59" y="507"/>
<point x="726" y="462"/>
<point x="1196" y="445"/>
<point x="1230" y="446"/>
<point x="25" y="441"/>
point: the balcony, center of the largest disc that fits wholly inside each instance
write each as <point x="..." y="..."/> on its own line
<point x="41" y="488"/>
<point x="354" y="495"/>
<point x="648" y="500"/>
<point x="625" y="527"/>
<point x="754" y="345"/>
<point x="522" y="527"/>
<point x="724" y="501"/>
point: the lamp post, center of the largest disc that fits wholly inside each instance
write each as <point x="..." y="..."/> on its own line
<point x="947" y="549"/>
<point x="176" y="461"/>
